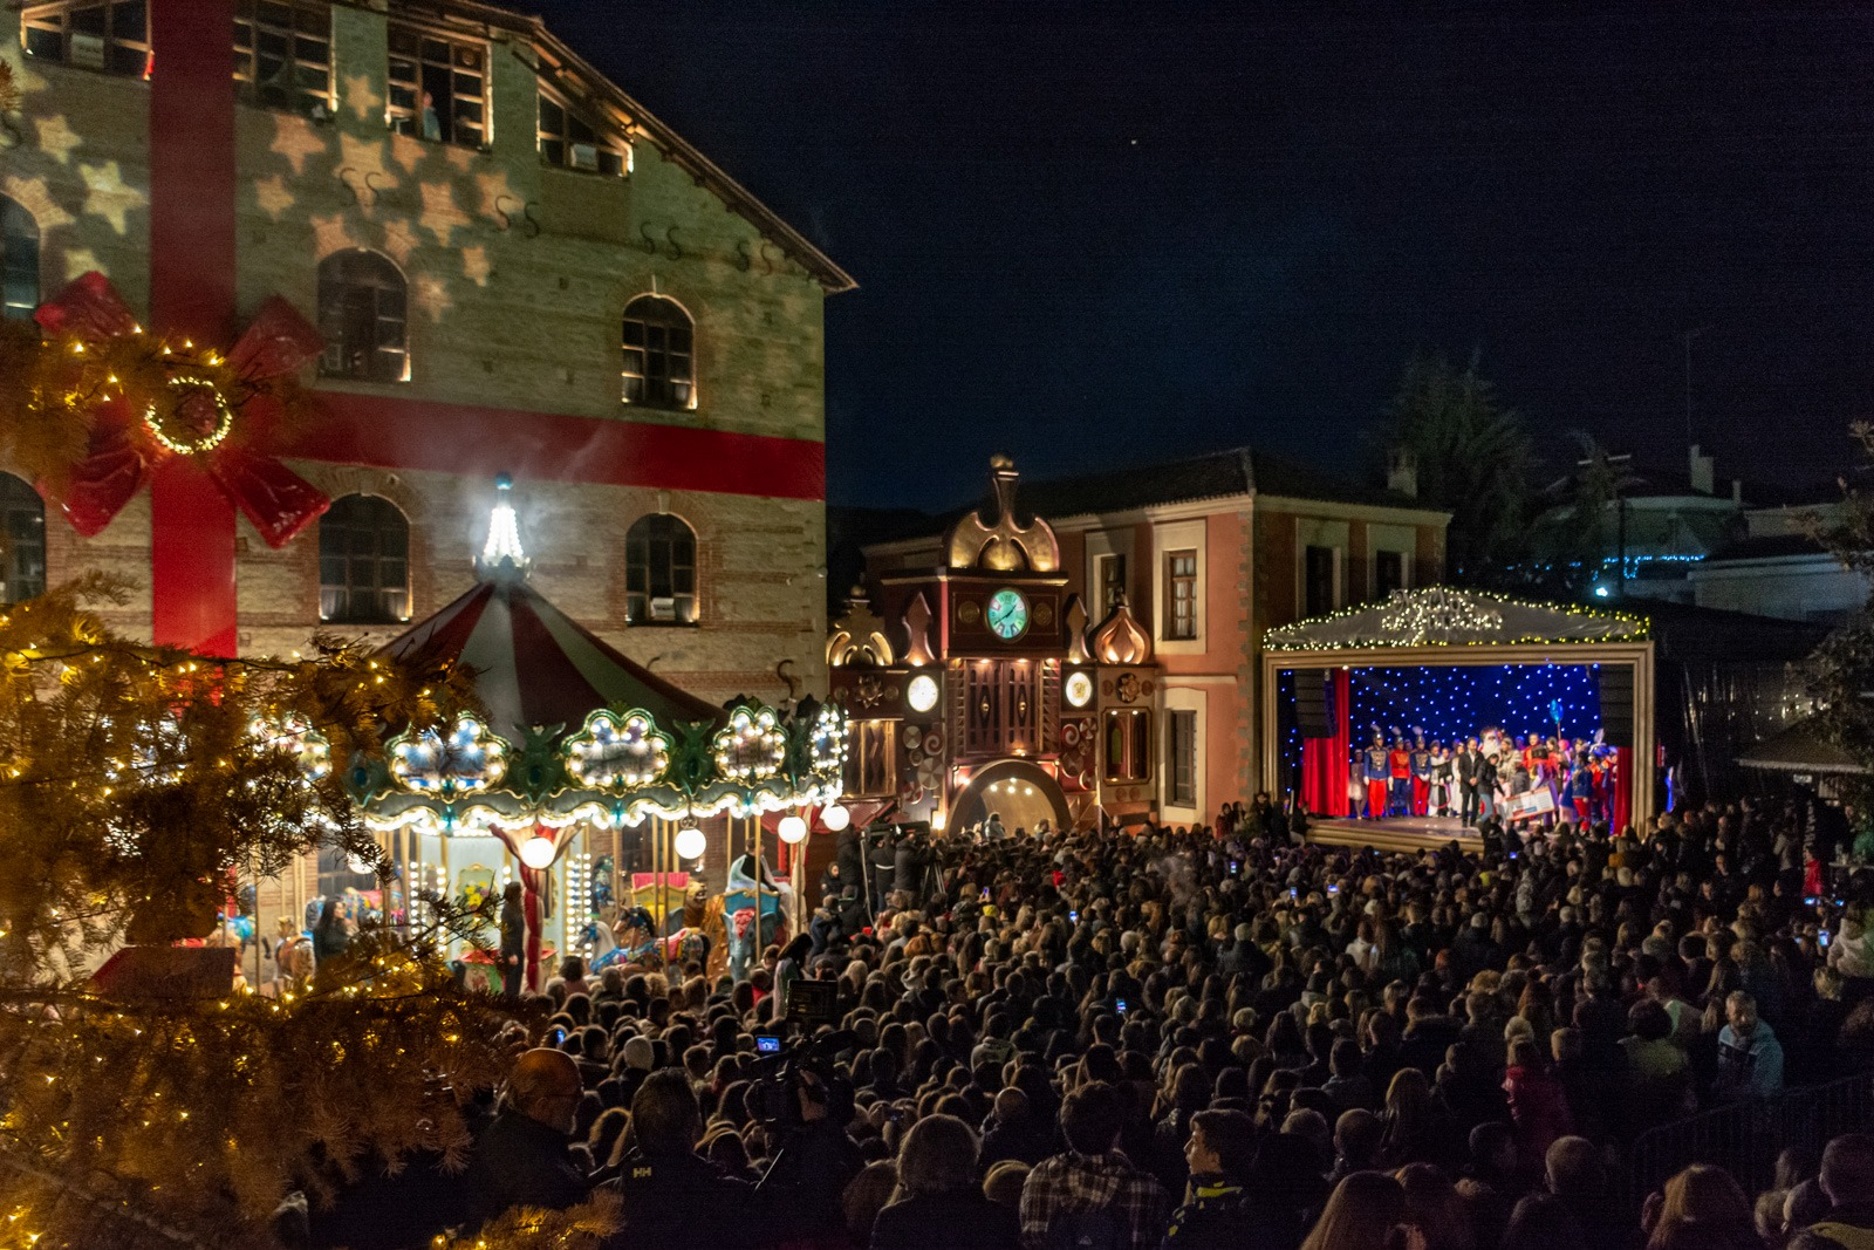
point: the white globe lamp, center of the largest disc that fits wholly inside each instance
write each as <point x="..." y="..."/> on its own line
<point x="836" y="817"/>
<point x="537" y="852"/>
<point x="792" y="829"/>
<point x="691" y="842"/>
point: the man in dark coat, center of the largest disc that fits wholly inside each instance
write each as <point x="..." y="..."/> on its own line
<point x="672" y="1195"/>
<point x="521" y="1158"/>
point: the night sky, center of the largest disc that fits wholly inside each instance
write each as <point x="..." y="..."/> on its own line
<point x="1088" y="234"/>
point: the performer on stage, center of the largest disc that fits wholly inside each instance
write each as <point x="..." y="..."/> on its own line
<point x="1377" y="773"/>
<point x="1399" y="765"/>
<point x="1464" y="767"/>
<point x="1581" y="789"/>
<point x="1444" y="776"/>
<point x="1421" y="757"/>
<point x="1486" y="788"/>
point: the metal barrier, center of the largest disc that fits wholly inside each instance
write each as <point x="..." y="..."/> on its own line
<point x="1744" y="1138"/>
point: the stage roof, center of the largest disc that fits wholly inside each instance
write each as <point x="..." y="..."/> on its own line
<point x="1443" y="616"/>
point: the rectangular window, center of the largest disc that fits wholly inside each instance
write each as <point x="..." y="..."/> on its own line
<point x="1181" y="595"/>
<point x="1128" y="744"/>
<point x="1318" y="588"/>
<point x="1181" y="748"/>
<point x="1388" y="572"/>
<point x="283" y="54"/>
<point x="571" y="142"/>
<point x="112" y="38"/>
<point x="1112" y="571"/>
<point x="875" y="759"/>
<point x="438" y="87"/>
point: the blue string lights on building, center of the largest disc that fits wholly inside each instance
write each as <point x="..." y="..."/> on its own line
<point x="1457" y="701"/>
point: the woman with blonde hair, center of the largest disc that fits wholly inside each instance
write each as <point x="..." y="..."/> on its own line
<point x="939" y="1200"/>
<point x="1366" y="1211"/>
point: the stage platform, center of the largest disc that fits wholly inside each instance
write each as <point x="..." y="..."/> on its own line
<point x="1401" y="833"/>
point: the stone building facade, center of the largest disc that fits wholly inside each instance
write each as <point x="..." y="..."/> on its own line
<point x="513" y="215"/>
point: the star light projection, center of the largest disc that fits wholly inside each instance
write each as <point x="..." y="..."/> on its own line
<point x="419" y="203"/>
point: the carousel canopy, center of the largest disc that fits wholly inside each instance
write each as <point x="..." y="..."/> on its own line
<point x="535" y="666"/>
<point x="1442" y="616"/>
<point x="575" y="731"/>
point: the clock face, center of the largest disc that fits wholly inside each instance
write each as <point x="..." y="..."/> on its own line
<point x="1079" y="689"/>
<point x="921" y="693"/>
<point x="1008" y="614"/>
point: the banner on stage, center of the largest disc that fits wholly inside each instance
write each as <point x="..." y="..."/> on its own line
<point x="1529" y="805"/>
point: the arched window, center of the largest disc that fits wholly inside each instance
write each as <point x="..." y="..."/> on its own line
<point x="660" y="571"/>
<point x="659" y="366"/>
<point x="23" y="531"/>
<point x="364" y="562"/>
<point x="361" y="314"/>
<point x="21" y="264"/>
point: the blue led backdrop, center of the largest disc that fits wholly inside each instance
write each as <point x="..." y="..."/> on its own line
<point x="1455" y="701"/>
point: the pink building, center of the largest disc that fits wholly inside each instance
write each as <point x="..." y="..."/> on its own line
<point x="1092" y="643"/>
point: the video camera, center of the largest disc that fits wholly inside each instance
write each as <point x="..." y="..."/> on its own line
<point x="783" y="1071"/>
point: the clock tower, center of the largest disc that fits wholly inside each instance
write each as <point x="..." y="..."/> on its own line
<point x="982" y="696"/>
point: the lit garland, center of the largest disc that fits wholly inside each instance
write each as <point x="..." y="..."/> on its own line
<point x="752" y="747"/>
<point x="1440" y="616"/>
<point x="618" y="750"/>
<point x="470" y="760"/>
<point x="179" y="428"/>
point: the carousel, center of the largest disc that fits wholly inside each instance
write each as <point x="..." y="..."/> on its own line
<point x="631" y="813"/>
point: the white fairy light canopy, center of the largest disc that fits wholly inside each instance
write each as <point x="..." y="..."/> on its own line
<point x="1444" y="616"/>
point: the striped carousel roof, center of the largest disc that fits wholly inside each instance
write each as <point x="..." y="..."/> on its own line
<point x="534" y="666"/>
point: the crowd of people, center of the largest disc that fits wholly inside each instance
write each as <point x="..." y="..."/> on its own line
<point x="1207" y="1037"/>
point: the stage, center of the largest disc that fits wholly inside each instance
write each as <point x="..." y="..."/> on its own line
<point x="1400" y="833"/>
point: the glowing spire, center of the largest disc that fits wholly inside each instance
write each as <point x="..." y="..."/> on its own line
<point x="502" y="555"/>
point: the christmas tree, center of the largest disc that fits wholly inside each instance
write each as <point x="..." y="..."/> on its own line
<point x="136" y="784"/>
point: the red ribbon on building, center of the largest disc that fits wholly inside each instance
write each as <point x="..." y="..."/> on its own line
<point x="128" y="447"/>
<point x="193" y="499"/>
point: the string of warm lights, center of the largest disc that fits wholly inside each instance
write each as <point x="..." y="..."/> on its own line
<point x="1445" y="617"/>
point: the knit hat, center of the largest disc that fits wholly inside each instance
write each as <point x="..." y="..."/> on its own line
<point x="638" y="1053"/>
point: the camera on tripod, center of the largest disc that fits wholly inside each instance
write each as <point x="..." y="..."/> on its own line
<point x="786" y="1072"/>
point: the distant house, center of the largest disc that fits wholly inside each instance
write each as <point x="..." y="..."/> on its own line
<point x="1734" y="546"/>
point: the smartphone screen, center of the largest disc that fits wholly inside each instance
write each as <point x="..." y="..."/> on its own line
<point x="767" y="1045"/>
<point x="1121" y="1005"/>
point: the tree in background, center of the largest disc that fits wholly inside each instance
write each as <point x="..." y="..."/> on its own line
<point x="1569" y="544"/>
<point x="1473" y="457"/>
<point x="1841" y="672"/>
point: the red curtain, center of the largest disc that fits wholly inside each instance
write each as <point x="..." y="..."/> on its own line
<point x="1623" y="790"/>
<point x="1325" y="761"/>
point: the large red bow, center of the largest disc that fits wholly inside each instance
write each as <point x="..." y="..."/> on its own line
<point x="196" y="417"/>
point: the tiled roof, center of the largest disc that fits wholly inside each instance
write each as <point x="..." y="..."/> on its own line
<point x="1217" y="475"/>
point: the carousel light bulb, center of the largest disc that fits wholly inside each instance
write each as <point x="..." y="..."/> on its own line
<point x="836" y="817"/>
<point x="691" y="842"/>
<point x="792" y="829"/>
<point x="537" y="852"/>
